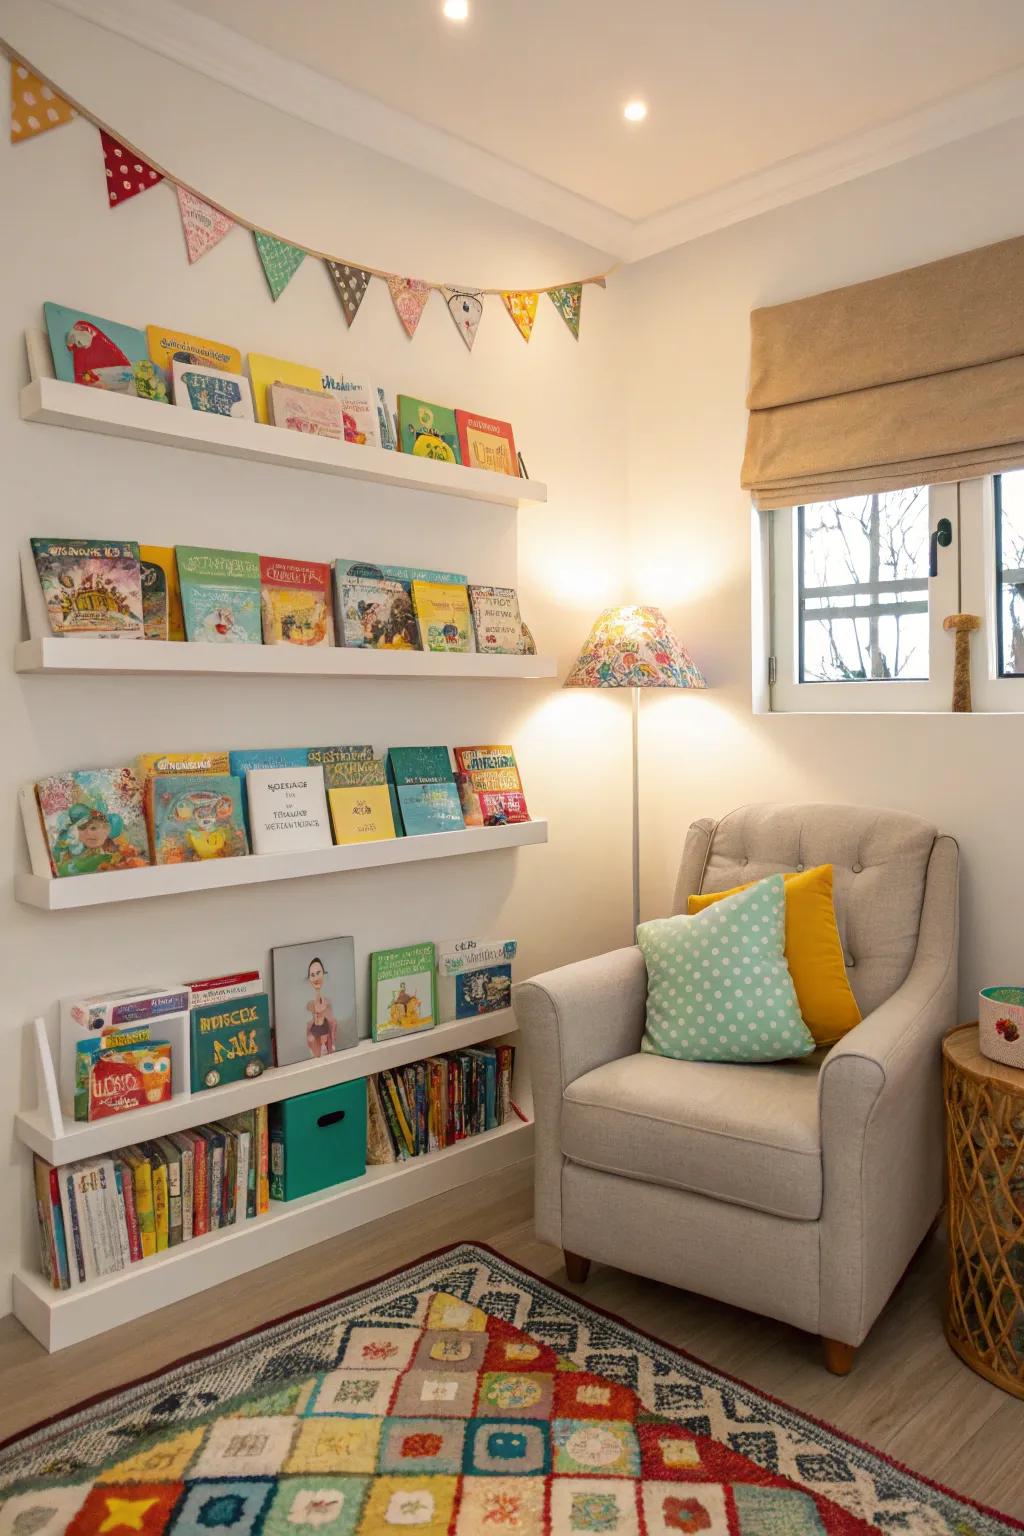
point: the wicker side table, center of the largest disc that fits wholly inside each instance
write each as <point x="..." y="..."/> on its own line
<point x="985" y="1161"/>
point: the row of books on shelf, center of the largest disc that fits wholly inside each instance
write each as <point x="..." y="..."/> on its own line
<point x="98" y="1216"/>
<point x="206" y="376"/>
<point x="116" y="589"/>
<point x="189" y="807"/>
<point x="121" y="1051"/>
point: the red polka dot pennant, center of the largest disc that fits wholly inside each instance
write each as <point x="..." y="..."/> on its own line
<point x="127" y="173"/>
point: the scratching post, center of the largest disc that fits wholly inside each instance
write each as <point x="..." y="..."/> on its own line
<point x="963" y="626"/>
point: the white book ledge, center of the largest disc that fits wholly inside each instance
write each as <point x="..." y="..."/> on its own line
<point x="58" y="895"/>
<point x="54" y="654"/>
<point x="97" y="410"/>
<point x="60" y="1318"/>
<point x="60" y="1140"/>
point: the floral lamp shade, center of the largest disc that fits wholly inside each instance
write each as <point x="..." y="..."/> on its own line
<point x="633" y="647"/>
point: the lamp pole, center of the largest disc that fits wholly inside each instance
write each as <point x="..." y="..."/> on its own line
<point x="636" y="810"/>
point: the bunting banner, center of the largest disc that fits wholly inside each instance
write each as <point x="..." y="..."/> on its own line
<point x="35" y="108"/>
<point x="203" y="226"/>
<point x="568" y="302"/>
<point x="409" y="297"/>
<point x="523" y="309"/>
<point x="280" y="261"/>
<point x="466" y="307"/>
<point x="351" y="284"/>
<point x="127" y="173"/>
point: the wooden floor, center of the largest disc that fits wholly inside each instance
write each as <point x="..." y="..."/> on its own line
<point x="908" y="1394"/>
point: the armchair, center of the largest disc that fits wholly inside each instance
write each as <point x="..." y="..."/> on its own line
<point x="799" y="1189"/>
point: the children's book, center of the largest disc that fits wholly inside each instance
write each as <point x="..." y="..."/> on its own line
<point x="161" y="592"/>
<point x="342" y="755"/>
<point x="169" y="347"/>
<point x="428" y="431"/>
<point x="224" y="989"/>
<point x="93" y="821"/>
<point x="90" y="350"/>
<point x="142" y="1179"/>
<point x="316" y="412"/>
<point x="264" y="371"/>
<point x="486" y="443"/>
<point x="212" y="391"/>
<point x="377" y="615"/>
<point x="403" y="991"/>
<point x="124" y="1069"/>
<point x="150" y="765"/>
<point x="197" y="817"/>
<point x="349" y="767"/>
<point x="365" y="570"/>
<point x="497" y="622"/>
<point x="358" y="410"/>
<point x="425" y="791"/>
<point x="262" y="757"/>
<point x="220" y="595"/>
<point x="287" y="809"/>
<point x="490" y="788"/>
<point x="231" y="1041"/>
<point x="91" y="587"/>
<point x="296" y="602"/>
<point x="442" y="612"/>
<point x="474" y="976"/>
<point x="314" y="999"/>
<point x="361" y="814"/>
<point x="387" y="420"/>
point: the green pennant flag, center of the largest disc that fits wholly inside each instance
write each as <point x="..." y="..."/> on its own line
<point x="567" y="301"/>
<point x="280" y="261"/>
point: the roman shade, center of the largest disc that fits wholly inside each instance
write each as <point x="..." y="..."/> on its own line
<point x="906" y="380"/>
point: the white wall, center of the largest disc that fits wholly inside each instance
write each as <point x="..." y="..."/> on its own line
<point x="62" y="243"/>
<point x="688" y="350"/>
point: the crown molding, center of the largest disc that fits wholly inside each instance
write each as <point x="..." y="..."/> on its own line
<point x="213" y="50"/>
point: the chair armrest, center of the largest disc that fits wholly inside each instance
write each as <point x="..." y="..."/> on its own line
<point x="573" y="1020"/>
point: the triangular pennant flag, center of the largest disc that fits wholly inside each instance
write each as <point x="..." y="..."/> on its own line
<point x="351" y="283"/>
<point x="34" y="106"/>
<point x="127" y="173"/>
<point x="280" y="261"/>
<point x="410" y="297"/>
<point x="567" y="301"/>
<point x="523" y="309"/>
<point x="203" y="226"/>
<point x="466" y="307"/>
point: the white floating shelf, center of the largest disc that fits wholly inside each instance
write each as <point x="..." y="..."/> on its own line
<point x="52" y="654"/>
<point x="93" y="1138"/>
<point x="60" y="404"/>
<point x="60" y="1318"/>
<point x="59" y="895"/>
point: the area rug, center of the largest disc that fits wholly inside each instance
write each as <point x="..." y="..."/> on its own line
<point x="460" y="1395"/>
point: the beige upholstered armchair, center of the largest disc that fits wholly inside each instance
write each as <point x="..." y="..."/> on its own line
<point x="798" y="1189"/>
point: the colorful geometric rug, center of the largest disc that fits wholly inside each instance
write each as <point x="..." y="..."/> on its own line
<point x="459" y="1397"/>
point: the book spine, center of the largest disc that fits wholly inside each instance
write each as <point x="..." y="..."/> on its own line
<point x="187" y="1193"/>
<point x="72" y="1227"/>
<point x="423" y="1134"/>
<point x="97" y="1226"/>
<point x="201" y="1187"/>
<point x="44" y="1215"/>
<point x="142" y="1169"/>
<point x="120" y="1215"/>
<point x="229" y="1209"/>
<point x="242" y="1177"/>
<point x="59" y="1234"/>
<point x="263" y="1179"/>
<point x="131" y="1216"/>
<point x="277" y="1161"/>
<point x="400" y="1133"/>
<point x="174" y="1193"/>
<point x="217" y="1185"/>
<point x="161" y="1221"/>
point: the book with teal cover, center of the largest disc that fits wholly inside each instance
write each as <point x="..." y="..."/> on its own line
<point x="348" y="571"/>
<point x="197" y="817"/>
<point x="220" y="595"/>
<point x="231" y="1041"/>
<point x="102" y="353"/>
<point x="424" y="790"/>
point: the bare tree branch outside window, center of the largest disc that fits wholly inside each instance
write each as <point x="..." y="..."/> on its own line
<point x="1010" y="508"/>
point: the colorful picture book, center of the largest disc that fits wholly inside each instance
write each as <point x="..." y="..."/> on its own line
<point x="101" y="353"/>
<point x="403" y="991"/>
<point x="442" y="612"/>
<point x="428" y="431"/>
<point x="125" y="1069"/>
<point x="313" y="411"/>
<point x="150" y="764"/>
<point x="428" y="1105"/>
<point x="220" y="595"/>
<point x="161" y="592"/>
<point x="360" y="423"/>
<point x="93" y="822"/>
<point x="474" y="976"/>
<point x="231" y="1040"/>
<point x="157" y="1014"/>
<point x="91" y="587"/>
<point x="376" y="614"/>
<point x="169" y="347"/>
<point x="490" y="788"/>
<point x="287" y="809"/>
<point x="314" y="999"/>
<point x="197" y="388"/>
<point x="425" y="791"/>
<point x="197" y="817"/>
<point x="497" y="622"/>
<point x="486" y="444"/>
<point x="296" y="602"/>
<point x="265" y="371"/>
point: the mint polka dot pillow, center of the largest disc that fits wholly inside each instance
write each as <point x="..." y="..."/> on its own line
<point x="718" y="986"/>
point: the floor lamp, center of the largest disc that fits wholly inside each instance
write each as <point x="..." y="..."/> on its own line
<point x="633" y="647"/>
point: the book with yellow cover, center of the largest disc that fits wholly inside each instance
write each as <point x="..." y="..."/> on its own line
<point x="361" y="813"/>
<point x="442" y="612"/>
<point x="264" y="371"/>
<point x="166" y="345"/>
<point x="161" y="594"/>
<point x="142" y="1182"/>
<point x="295" y="602"/>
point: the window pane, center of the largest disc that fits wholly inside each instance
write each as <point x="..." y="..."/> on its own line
<point x="864" y="588"/>
<point x="1010" y="546"/>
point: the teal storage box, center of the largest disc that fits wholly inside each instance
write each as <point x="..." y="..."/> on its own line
<point x="317" y="1140"/>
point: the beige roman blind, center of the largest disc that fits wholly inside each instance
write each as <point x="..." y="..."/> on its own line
<point x="904" y="380"/>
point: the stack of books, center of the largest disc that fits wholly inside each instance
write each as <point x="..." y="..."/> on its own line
<point x="432" y="1104"/>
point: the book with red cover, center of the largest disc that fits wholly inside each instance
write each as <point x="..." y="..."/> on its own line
<point x="295" y="601"/>
<point x="486" y="443"/>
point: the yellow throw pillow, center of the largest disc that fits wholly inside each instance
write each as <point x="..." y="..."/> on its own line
<point x="814" y="952"/>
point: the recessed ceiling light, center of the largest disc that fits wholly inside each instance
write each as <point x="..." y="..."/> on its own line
<point x="635" y="111"/>
<point x="456" y="10"/>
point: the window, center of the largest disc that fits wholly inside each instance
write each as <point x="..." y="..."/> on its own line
<point x="1009" y="536"/>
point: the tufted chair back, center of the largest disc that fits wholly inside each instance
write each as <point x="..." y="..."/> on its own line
<point x="880" y="863"/>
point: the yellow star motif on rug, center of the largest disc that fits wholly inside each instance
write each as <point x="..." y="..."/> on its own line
<point x="126" y="1514"/>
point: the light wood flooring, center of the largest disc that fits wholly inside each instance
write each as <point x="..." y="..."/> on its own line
<point x="908" y="1394"/>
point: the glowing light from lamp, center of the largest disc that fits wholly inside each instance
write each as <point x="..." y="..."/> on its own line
<point x="456" y="10"/>
<point x="635" y="111"/>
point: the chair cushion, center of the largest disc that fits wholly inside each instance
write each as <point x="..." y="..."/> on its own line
<point x="746" y="1134"/>
<point x="814" y="952"/>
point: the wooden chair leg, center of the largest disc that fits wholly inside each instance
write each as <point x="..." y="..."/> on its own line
<point x="838" y="1357"/>
<point x="576" y="1267"/>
